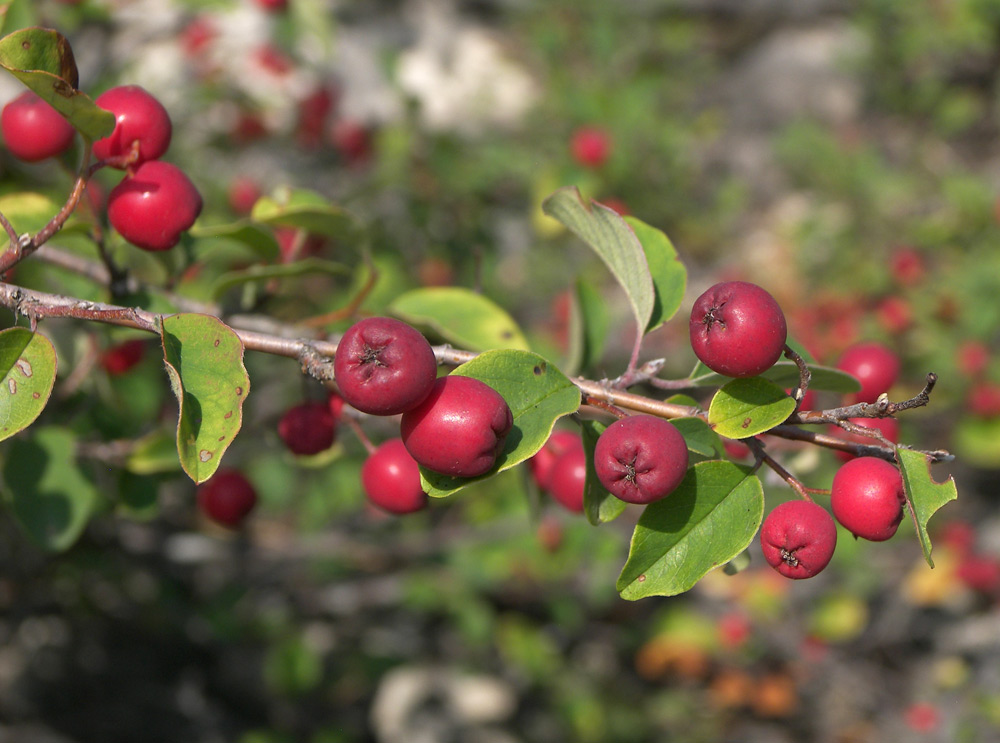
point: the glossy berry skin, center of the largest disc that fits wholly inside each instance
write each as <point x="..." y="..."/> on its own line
<point x="867" y="498"/>
<point x="541" y="463"/>
<point x="567" y="479"/>
<point x="874" y="365"/>
<point x="308" y="428"/>
<point x="737" y="329"/>
<point x="384" y="366"/>
<point x="139" y="116"/>
<point x="590" y="146"/>
<point x="227" y="498"/>
<point x="641" y="458"/>
<point x="154" y="206"/>
<point x="459" y="429"/>
<point x="391" y="479"/>
<point x="33" y="130"/>
<point x="798" y="538"/>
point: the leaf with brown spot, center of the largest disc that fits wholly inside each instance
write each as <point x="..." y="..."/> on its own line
<point x="28" y="365"/>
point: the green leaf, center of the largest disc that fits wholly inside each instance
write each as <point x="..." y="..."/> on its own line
<point x="258" y="238"/>
<point x="28" y="363"/>
<point x="153" y="454"/>
<point x="204" y="360"/>
<point x="306" y="210"/>
<point x="977" y="441"/>
<point x="599" y="505"/>
<point x="924" y="496"/>
<point x="785" y="374"/>
<point x="605" y="231"/>
<point x="460" y="316"/>
<point x="747" y="407"/>
<point x="538" y="395"/>
<point x="43" y="60"/>
<point x="668" y="273"/>
<point x="709" y="520"/>
<point x="17" y="14"/>
<point x="700" y="438"/>
<point x="27" y="211"/>
<point x="256" y="274"/>
<point x="589" y="323"/>
<point x="52" y="497"/>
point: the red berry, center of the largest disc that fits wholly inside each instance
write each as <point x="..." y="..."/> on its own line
<point x="922" y="717"/>
<point x="980" y="573"/>
<point x="894" y="314"/>
<point x="33" y="130"/>
<point x="737" y="329"/>
<point x="867" y="498"/>
<point x="907" y="266"/>
<point x="391" y="479"/>
<point x="138" y="117"/>
<point x="352" y="140"/>
<point x="972" y="358"/>
<point x="227" y="498"/>
<point x="541" y="463"/>
<point x="274" y="6"/>
<point x="243" y="194"/>
<point x="984" y="400"/>
<point x="154" y="206"/>
<point x="641" y="458"/>
<point x="308" y="428"/>
<point x="314" y="110"/>
<point x="123" y="357"/>
<point x="567" y="478"/>
<point x="798" y="538"/>
<point x="874" y="365"/>
<point x="459" y="429"/>
<point x="590" y="146"/>
<point x="384" y="366"/>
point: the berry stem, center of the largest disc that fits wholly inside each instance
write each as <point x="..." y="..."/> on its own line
<point x="762" y="456"/>
<point x="353" y="424"/>
<point x="805" y="375"/>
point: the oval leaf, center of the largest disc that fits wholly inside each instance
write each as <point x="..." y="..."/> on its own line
<point x="924" y="496"/>
<point x="258" y="274"/>
<point x="709" y="520"/>
<point x="306" y="210"/>
<point x="668" y="273"/>
<point x="27" y="211"/>
<point x="43" y="60"/>
<point x="259" y="239"/>
<point x="538" y="395"/>
<point x="204" y="360"/>
<point x="747" y="407"/>
<point x="52" y="498"/>
<point x="28" y="363"/>
<point x="589" y="323"/>
<point x="700" y="438"/>
<point x="785" y="374"/>
<point x="460" y="316"/>
<point x="605" y="231"/>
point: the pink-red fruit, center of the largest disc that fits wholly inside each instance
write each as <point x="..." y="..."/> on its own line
<point x="308" y="428"/>
<point x="737" y="329"/>
<point x="139" y="117"/>
<point x="459" y="429"/>
<point x="122" y="357"/>
<point x="798" y="538"/>
<point x="867" y="498"/>
<point x="33" y="130"/>
<point x="152" y="207"/>
<point x="384" y="366"/>
<point x="541" y="463"/>
<point x="568" y="477"/>
<point x="391" y="479"/>
<point x="590" y="146"/>
<point x="874" y="365"/>
<point x="641" y="458"/>
<point x="227" y="498"/>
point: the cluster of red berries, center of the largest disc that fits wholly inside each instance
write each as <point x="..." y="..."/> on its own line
<point x="452" y="425"/>
<point x="155" y="202"/>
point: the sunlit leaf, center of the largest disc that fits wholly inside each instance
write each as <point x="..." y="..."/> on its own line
<point x="924" y="496"/>
<point x="204" y="360"/>
<point x="668" y="273"/>
<point x="747" y="407"/>
<point x="28" y="365"/>
<point x="460" y="316"/>
<point x="705" y="523"/>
